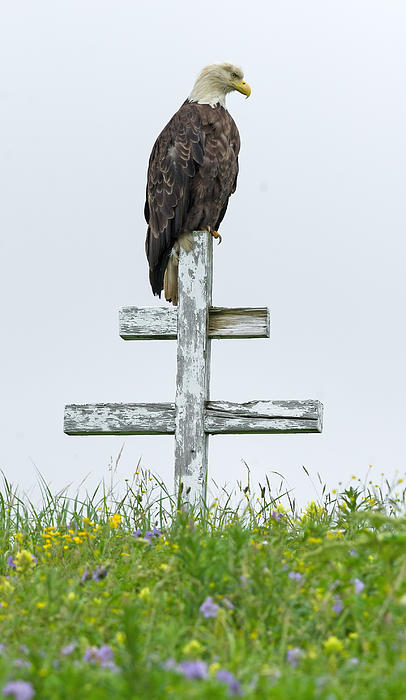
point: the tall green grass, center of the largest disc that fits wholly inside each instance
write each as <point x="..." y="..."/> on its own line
<point x="140" y="596"/>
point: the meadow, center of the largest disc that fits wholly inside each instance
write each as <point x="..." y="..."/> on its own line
<point x="140" y="597"/>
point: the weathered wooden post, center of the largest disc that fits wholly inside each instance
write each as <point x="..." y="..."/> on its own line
<point x="193" y="416"/>
<point x="193" y="366"/>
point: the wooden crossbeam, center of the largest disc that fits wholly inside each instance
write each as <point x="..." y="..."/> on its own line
<point x="193" y="416"/>
<point x="161" y="323"/>
<point x="220" y="417"/>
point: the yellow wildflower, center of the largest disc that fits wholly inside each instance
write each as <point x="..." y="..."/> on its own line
<point x="213" y="668"/>
<point x="333" y="644"/>
<point x="25" y="561"/>
<point x="192" y="648"/>
<point x="145" y="593"/>
<point x="115" y="521"/>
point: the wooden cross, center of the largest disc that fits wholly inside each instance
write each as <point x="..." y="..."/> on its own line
<point x="193" y="416"/>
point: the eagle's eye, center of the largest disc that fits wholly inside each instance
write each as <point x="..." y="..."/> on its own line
<point x="234" y="75"/>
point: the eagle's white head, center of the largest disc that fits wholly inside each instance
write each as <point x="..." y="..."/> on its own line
<point x="215" y="81"/>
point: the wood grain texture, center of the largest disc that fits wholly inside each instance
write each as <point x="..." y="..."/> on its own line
<point x="150" y="323"/>
<point x="219" y="417"/>
<point x="120" y="419"/>
<point x="160" y="323"/>
<point x="264" y="417"/>
<point x="239" y="322"/>
<point x="193" y="367"/>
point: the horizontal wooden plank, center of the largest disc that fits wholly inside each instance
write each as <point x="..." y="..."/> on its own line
<point x="154" y="323"/>
<point x="221" y="417"/>
<point x="120" y="419"/>
<point x="264" y="417"/>
<point x="160" y="323"/>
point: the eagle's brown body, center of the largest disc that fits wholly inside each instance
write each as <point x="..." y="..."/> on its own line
<point x="192" y="172"/>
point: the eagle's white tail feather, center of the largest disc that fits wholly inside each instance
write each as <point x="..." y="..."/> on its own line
<point x="171" y="279"/>
<point x="171" y="272"/>
<point x="186" y="242"/>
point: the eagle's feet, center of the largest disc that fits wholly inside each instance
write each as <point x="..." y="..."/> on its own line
<point x="216" y="235"/>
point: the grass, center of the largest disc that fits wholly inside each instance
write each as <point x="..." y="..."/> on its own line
<point x="140" y="598"/>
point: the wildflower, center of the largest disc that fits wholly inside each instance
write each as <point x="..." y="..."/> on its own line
<point x="332" y="644"/>
<point x="11" y="562"/>
<point x="338" y="605"/>
<point x="293" y="656"/>
<point x="194" y="669"/>
<point x="68" y="649"/>
<point x="228" y="603"/>
<point x="353" y="661"/>
<point x="85" y="576"/>
<point x="115" y="521"/>
<point x="353" y="553"/>
<point x="150" y="534"/>
<point x="230" y="680"/>
<point x="99" y="573"/>
<point x="20" y="690"/>
<point x="192" y="648"/>
<point x="295" y="575"/>
<point x="21" y="663"/>
<point x="358" y="585"/>
<point x="25" y="561"/>
<point x="208" y="608"/>
<point x="102" y="656"/>
<point x="277" y="515"/>
<point x="145" y="593"/>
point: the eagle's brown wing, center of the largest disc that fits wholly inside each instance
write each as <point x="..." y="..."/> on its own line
<point x="175" y="158"/>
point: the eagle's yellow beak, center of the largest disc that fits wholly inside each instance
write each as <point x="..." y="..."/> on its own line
<point x="242" y="86"/>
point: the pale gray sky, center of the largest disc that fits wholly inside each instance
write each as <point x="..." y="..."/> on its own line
<point x="316" y="228"/>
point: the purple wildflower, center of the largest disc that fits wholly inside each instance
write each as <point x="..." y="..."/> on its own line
<point x="293" y="656"/>
<point x="21" y="663"/>
<point x="295" y="575"/>
<point x="137" y="533"/>
<point x="358" y="585"/>
<point x="353" y="661"/>
<point x="353" y="553"/>
<point x="228" y="603"/>
<point x="85" y="576"/>
<point x="208" y="608"/>
<point x="2" y="647"/>
<point x="102" y="655"/>
<point x="170" y="665"/>
<point x="150" y="534"/>
<point x="68" y="649"/>
<point x="20" y="690"/>
<point x="99" y="573"/>
<point x="11" y="562"/>
<point x="230" y="680"/>
<point x="277" y="515"/>
<point x="194" y="669"/>
<point x="338" y="605"/>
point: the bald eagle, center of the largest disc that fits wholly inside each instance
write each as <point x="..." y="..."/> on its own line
<point x="192" y="172"/>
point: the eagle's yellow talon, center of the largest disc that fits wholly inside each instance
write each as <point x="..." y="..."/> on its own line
<point x="216" y="234"/>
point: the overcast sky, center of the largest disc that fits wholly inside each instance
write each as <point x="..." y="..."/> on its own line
<point x="315" y="231"/>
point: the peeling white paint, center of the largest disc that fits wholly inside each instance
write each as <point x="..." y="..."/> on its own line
<point x="161" y="323"/>
<point x="193" y="417"/>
